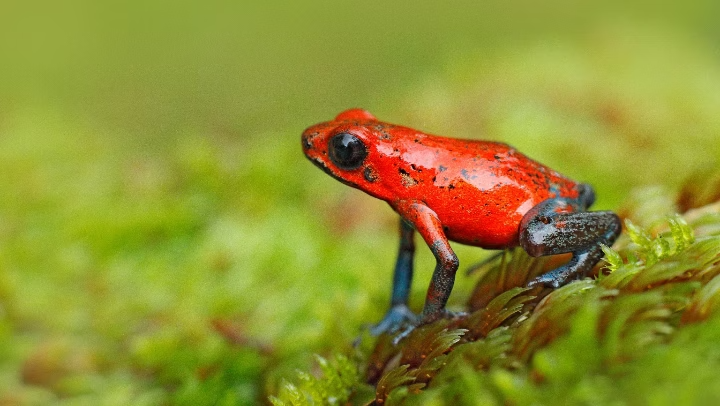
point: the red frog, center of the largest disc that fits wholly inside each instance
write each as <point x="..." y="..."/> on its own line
<point x="479" y="193"/>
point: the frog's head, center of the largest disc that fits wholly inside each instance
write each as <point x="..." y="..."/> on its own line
<point x="345" y="147"/>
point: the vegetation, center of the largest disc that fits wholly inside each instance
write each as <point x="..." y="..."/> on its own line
<point x="644" y="331"/>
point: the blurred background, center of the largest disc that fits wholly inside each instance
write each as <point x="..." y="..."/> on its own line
<point x="164" y="241"/>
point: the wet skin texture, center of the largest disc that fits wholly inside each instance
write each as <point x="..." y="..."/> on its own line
<point x="478" y="193"/>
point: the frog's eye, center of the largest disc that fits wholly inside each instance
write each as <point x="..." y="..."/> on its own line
<point x="347" y="151"/>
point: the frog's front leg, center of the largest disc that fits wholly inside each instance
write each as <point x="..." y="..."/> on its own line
<point x="558" y="226"/>
<point x="399" y="313"/>
<point x="427" y="223"/>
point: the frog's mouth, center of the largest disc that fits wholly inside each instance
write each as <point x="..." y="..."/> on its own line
<point x="320" y="164"/>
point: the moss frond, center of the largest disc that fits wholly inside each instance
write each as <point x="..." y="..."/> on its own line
<point x="507" y="304"/>
<point x="423" y="354"/>
<point x="613" y="259"/>
<point x="396" y="378"/>
<point x="553" y="316"/>
<point x="504" y="272"/>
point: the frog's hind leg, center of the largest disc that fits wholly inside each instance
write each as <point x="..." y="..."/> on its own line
<point x="560" y="225"/>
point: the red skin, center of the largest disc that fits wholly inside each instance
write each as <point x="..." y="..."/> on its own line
<point x="479" y="191"/>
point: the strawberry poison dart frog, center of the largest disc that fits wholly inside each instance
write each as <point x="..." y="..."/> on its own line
<point x="479" y="193"/>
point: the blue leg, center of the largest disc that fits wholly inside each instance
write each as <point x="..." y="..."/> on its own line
<point x="402" y="278"/>
<point x="399" y="313"/>
<point x="558" y="226"/>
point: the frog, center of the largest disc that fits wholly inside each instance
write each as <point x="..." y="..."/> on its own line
<point x="473" y="192"/>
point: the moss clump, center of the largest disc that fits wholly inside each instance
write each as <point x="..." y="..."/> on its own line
<point x="340" y="378"/>
<point x="599" y="340"/>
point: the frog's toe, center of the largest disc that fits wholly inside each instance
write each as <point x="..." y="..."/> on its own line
<point x="404" y="333"/>
<point x="549" y="280"/>
<point x="397" y="317"/>
<point x="455" y="315"/>
<point x="428" y="319"/>
<point x="442" y="314"/>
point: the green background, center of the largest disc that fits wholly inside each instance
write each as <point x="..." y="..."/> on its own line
<point x="162" y="238"/>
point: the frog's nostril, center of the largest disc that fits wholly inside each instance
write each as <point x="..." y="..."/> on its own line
<point x="306" y="143"/>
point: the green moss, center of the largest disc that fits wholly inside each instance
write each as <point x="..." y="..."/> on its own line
<point x="340" y="379"/>
<point x="594" y="341"/>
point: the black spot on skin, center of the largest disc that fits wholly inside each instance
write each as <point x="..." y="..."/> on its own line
<point x="407" y="180"/>
<point x="442" y="168"/>
<point x="434" y="178"/>
<point x="413" y="167"/>
<point x="451" y="186"/>
<point x="370" y="174"/>
<point x="497" y="156"/>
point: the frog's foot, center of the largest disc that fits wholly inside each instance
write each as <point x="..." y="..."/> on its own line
<point x="556" y="227"/>
<point x="427" y="319"/>
<point x="580" y="264"/>
<point x="397" y="317"/>
<point x="445" y="314"/>
<point x="553" y="279"/>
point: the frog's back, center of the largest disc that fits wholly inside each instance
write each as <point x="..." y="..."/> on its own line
<point x="480" y="190"/>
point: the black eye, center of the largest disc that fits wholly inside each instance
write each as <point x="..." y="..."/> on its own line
<point x="347" y="151"/>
